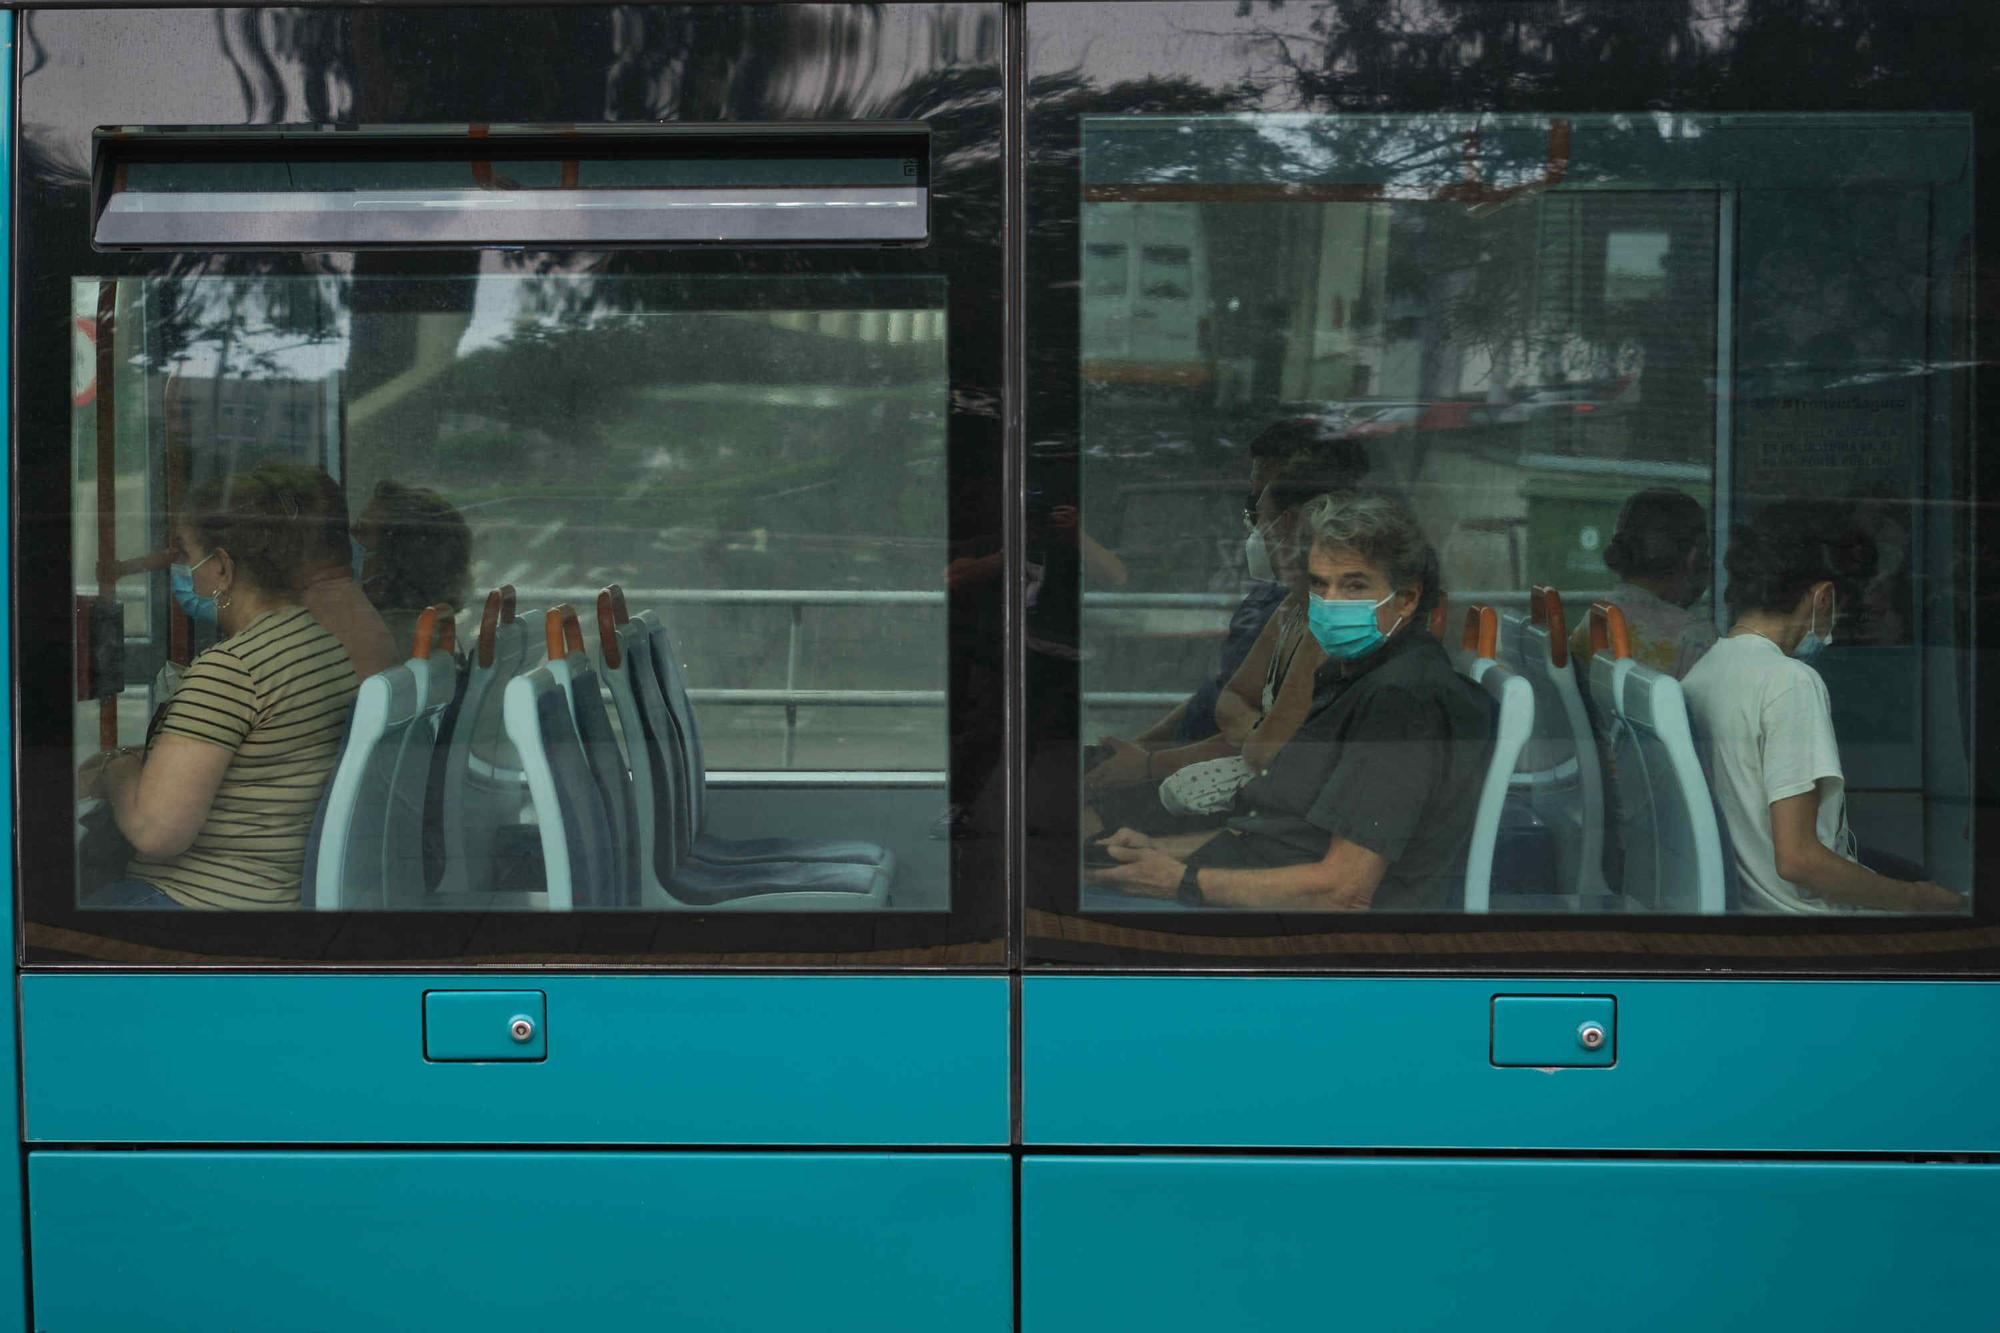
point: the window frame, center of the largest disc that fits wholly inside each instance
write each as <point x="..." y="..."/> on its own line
<point x="62" y="104"/>
<point x="1243" y="78"/>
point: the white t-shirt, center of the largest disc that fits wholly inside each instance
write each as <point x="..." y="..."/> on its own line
<point x="1766" y="729"/>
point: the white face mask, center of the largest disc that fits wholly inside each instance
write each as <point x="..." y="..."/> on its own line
<point x="1257" y="557"/>
<point x="1812" y="643"/>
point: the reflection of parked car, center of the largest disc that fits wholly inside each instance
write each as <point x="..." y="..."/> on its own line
<point x="1445" y="414"/>
<point x="1368" y="419"/>
<point x="1457" y="414"/>
<point x="1568" y="400"/>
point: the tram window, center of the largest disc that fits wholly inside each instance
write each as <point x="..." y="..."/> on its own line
<point x="1599" y="548"/>
<point x="505" y="592"/>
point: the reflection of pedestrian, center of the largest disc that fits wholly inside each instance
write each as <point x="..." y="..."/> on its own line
<point x="330" y="590"/>
<point x="1661" y="555"/>
<point x="416" y="552"/>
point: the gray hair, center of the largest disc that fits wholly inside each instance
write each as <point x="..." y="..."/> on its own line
<point x="1381" y="530"/>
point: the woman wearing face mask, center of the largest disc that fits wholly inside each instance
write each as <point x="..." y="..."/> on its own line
<point x="330" y="571"/>
<point x="1369" y="804"/>
<point x="1189" y="787"/>
<point x="219" y="803"/>
<point x="1766" y="724"/>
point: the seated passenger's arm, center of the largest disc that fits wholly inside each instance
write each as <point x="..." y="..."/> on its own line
<point x="1804" y="860"/>
<point x="1241" y="704"/>
<point x="1345" y="879"/>
<point x="1288" y="710"/>
<point x="161" y="803"/>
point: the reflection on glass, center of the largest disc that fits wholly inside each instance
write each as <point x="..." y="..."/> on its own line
<point x="510" y="593"/>
<point x="1600" y="364"/>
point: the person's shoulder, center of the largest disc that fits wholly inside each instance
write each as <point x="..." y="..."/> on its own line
<point x="224" y="658"/>
<point x="1421" y="674"/>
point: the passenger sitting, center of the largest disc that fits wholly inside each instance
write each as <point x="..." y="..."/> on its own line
<point x="330" y="590"/>
<point x="1371" y="803"/>
<point x="1660" y="553"/>
<point x="219" y="804"/>
<point x="1187" y="787"/>
<point x="416" y="552"/>
<point x="1767" y="725"/>
<point x="1309" y="443"/>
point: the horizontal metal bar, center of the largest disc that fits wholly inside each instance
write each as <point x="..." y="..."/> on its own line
<point x="823" y="698"/>
<point x="638" y="597"/>
<point x="829" y="777"/>
<point x="1134" y="698"/>
<point x="1092" y="601"/>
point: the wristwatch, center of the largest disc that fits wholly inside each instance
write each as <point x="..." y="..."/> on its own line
<point x="1190" y="889"/>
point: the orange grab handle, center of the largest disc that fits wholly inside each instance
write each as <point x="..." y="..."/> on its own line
<point x="552" y="629"/>
<point x="1608" y="630"/>
<point x="618" y="611"/>
<point x="562" y="631"/>
<point x="607" y="629"/>
<point x="1550" y="613"/>
<point x="435" y="629"/>
<point x="488" y="620"/>
<point x="1482" y="631"/>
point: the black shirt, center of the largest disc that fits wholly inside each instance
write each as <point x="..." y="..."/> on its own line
<point x="1391" y="757"/>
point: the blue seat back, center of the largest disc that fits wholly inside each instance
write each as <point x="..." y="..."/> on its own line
<point x="606" y="765"/>
<point x="1672" y="838"/>
<point x="680" y="708"/>
<point x="1560" y="775"/>
<point x="579" y="859"/>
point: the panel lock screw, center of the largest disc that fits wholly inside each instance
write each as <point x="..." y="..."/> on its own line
<point x="522" y="1028"/>
<point x="1590" y="1036"/>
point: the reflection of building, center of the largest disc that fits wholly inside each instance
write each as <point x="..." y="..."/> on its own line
<point x="237" y="422"/>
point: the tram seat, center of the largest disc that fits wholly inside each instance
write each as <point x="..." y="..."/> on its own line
<point x="483" y="787"/>
<point x="1673" y="850"/>
<point x="571" y="667"/>
<point x="1514" y="713"/>
<point x="579" y="854"/>
<point x="1559" y="774"/>
<point x="345" y="853"/>
<point x="668" y="874"/>
<point x="365" y="850"/>
<point x="708" y="849"/>
<point x="433" y="667"/>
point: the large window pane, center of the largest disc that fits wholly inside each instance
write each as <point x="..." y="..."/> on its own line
<point x="735" y="486"/>
<point x="1522" y="459"/>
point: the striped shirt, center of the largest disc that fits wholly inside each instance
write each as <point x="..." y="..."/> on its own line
<point x="278" y="695"/>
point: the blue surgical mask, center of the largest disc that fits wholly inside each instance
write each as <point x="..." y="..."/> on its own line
<point x="180" y="581"/>
<point x="1812" y="643"/>
<point x="1346" y="629"/>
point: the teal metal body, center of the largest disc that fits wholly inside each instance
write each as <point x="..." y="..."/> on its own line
<point x="1523" y="1246"/>
<point x="1702" y="1066"/>
<point x="853" y="1061"/>
<point x="496" y="1242"/>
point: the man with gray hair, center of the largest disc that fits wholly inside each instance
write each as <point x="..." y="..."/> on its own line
<point x="1370" y="804"/>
